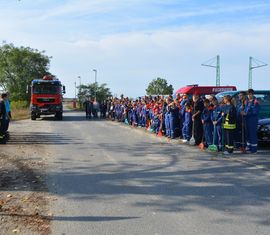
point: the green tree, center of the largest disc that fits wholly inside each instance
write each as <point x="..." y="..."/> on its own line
<point x="159" y="86"/>
<point x="18" y="67"/>
<point x="102" y="92"/>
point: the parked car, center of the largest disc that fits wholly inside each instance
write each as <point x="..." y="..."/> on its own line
<point x="263" y="132"/>
<point x="263" y="96"/>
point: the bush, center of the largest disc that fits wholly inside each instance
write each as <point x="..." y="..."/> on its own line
<point x="21" y="104"/>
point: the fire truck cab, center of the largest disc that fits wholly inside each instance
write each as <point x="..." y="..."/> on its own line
<point x="46" y="97"/>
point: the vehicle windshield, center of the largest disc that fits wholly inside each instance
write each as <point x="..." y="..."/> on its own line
<point x="219" y="96"/>
<point x="46" y="89"/>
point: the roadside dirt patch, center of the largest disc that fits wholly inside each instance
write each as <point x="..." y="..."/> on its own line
<point x="24" y="195"/>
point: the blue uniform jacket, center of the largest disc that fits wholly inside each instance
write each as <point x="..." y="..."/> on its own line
<point x="216" y="115"/>
<point x="206" y="115"/>
<point x="252" y="109"/>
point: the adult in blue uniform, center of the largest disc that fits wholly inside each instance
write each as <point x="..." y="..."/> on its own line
<point x="196" y="118"/>
<point x="252" y="115"/>
<point x="240" y="135"/>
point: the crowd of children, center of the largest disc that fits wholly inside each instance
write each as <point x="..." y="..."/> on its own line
<point x="196" y="120"/>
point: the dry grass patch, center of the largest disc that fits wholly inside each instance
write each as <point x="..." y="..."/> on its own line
<point x="20" y="113"/>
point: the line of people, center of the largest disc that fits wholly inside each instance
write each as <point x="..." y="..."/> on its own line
<point x="93" y="108"/>
<point x="226" y="124"/>
<point x="5" y="116"/>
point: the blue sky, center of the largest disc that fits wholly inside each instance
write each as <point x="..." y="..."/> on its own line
<point x="131" y="42"/>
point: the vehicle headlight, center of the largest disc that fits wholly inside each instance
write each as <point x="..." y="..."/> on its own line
<point x="267" y="128"/>
<point x="264" y="128"/>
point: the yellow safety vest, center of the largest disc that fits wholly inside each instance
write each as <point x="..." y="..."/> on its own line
<point x="227" y="125"/>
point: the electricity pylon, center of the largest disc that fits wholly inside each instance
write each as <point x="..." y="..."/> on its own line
<point x="253" y="64"/>
<point x="210" y="63"/>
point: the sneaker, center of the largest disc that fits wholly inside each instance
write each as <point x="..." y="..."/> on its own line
<point x="184" y="141"/>
<point x="226" y="153"/>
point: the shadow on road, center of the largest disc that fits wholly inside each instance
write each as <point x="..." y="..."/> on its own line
<point x="180" y="178"/>
<point x="74" y="218"/>
<point x="91" y="218"/>
<point x="216" y="184"/>
<point x="41" y="138"/>
<point x="70" y="118"/>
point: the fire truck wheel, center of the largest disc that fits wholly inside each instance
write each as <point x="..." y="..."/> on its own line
<point x="59" y="116"/>
<point x="33" y="116"/>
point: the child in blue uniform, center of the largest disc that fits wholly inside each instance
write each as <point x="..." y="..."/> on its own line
<point x="216" y="118"/>
<point x="207" y="123"/>
<point x="187" y="124"/>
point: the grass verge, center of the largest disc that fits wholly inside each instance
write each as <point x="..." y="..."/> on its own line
<point x="20" y="113"/>
<point x="20" y="110"/>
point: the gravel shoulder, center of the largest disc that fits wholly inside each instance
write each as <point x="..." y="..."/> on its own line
<point x="24" y="196"/>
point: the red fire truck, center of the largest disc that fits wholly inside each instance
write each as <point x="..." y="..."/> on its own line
<point x="46" y="97"/>
<point x="204" y="90"/>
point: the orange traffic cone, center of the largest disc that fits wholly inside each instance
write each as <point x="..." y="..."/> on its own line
<point x="160" y="134"/>
<point x="148" y="126"/>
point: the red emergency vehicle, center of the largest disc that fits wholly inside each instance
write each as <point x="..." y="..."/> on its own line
<point x="204" y="90"/>
<point x="46" y="97"/>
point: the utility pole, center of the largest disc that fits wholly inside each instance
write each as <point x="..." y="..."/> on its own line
<point x="209" y="63"/>
<point x="79" y="91"/>
<point x="74" y="102"/>
<point x="80" y="80"/>
<point x="257" y="64"/>
<point x="75" y="90"/>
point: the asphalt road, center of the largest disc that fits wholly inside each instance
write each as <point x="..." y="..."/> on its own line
<point x="109" y="178"/>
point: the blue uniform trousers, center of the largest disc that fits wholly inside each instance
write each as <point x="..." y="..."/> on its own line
<point x="167" y="124"/>
<point x="217" y="135"/>
<point x="186" y="130"/>
<point x="172" y="124"/>
<point x="208" y="133"/>
<point x="252" y="140"/>
<point x="143" y="121"/>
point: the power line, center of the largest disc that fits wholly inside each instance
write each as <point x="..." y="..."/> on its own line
<point x="214" y="63"/>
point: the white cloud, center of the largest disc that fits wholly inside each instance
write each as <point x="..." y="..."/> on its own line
<point x="129" y="61"/>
